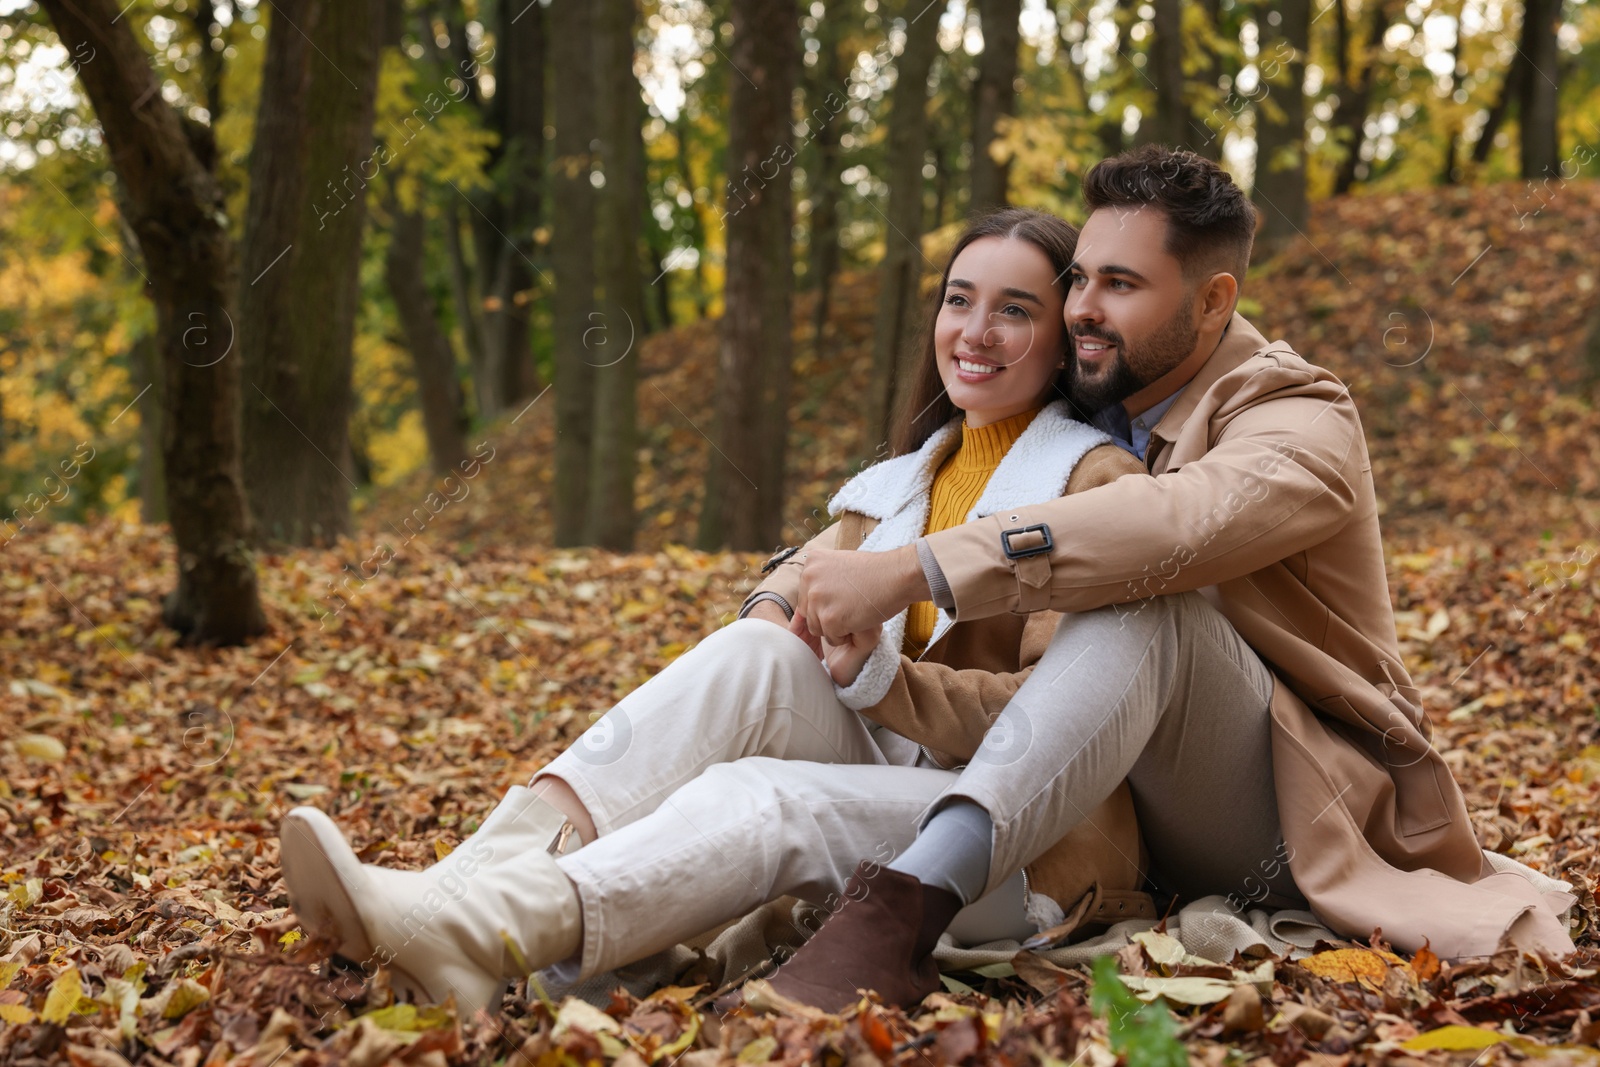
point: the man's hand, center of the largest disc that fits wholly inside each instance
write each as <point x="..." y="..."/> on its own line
<point x="844" y="593"/>
<point x="845" y="660"/>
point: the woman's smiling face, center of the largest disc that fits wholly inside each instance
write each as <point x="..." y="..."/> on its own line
<point x="999" y="336"/>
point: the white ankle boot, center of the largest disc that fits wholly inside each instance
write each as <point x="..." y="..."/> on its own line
<point x="441" y="931"/>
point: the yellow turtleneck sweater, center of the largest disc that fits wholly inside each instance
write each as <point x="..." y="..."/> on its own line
<point x="956" y="488"/>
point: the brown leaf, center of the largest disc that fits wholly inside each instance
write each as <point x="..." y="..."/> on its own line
<point x="1425" y="965"/>
<point x="1040" y="973"/>
<point x="1242" y="1012"/>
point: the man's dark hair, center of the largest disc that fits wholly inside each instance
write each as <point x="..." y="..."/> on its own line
<point x="1211" y="224"/>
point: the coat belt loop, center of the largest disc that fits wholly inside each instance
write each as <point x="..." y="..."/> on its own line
<point x="1033" y="583"/>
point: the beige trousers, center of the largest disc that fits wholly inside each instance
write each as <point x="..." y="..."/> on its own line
<point x="735" y="776"/>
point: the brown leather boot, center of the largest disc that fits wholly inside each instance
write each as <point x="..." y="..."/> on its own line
<point x="880" y="939"/>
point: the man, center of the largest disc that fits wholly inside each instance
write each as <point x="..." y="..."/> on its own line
<point x="1230" y="647"/>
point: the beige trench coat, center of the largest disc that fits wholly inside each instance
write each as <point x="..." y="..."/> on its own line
<point x="1261" y="495"/>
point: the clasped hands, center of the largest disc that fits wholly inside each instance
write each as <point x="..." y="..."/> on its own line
<point x="846" y="597"/>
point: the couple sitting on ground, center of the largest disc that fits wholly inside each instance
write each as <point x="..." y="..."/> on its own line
<point x="1110" y="628"/>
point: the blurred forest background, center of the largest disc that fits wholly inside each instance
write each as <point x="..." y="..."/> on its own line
<point x="281" y="273"/>
<point x="387" y="387"/>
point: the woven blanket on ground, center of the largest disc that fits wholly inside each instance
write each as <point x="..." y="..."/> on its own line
<point x="1209" y="927"/>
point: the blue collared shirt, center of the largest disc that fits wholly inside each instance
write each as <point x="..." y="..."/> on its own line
<point x="1132" y="436"/>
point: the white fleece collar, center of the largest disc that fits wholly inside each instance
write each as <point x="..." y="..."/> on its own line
<point x="898" y="493"/>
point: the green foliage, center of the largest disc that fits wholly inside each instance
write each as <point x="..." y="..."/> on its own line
<point x="427" y="132"/>
<point x="1143" y="1034"/>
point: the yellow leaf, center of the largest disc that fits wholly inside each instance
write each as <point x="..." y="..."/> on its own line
<point x="440" y="849"/>
<point x="62" y="999"/>
<point x="1453" y="1039"/>
<point x="135" y="974"/>
<point x="41" y="747"/>
<point x="290" y="937"/>
<point x="16" y="1014"/>
<point x="760" y="1050"/>
<point x="8" y="971"/>
<point x="576" y="1014"/>
<point x="183" y="998"/>
<point x="122" y="997"/>
<point x="682" y="994"/>
<point x="404" y="1018"/>
<point x="1179" y="990"/>
<point x="26" y="894"/>
<point x="1360" y="965"/>
<point x="1163" y="949"/>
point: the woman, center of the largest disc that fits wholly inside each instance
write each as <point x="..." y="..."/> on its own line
<point x="747" y="770"/>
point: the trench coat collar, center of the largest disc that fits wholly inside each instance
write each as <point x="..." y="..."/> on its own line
<point x="1239" y="343"/>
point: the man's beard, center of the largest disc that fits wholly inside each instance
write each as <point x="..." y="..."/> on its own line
<point x="1134" y="368"/>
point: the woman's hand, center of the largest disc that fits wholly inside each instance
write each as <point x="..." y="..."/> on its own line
<point x="845" y="659"/>
<point x="798" y="627"/>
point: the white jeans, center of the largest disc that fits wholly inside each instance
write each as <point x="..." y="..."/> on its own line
<point x="735" y="776"/>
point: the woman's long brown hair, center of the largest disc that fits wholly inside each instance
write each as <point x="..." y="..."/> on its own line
<point x="923" y="405"/>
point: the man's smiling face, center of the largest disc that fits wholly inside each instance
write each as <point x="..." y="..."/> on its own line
<point x="1130" y="311"/>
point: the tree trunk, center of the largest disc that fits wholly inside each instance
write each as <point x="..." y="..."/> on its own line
<point x="1591" y="349"/>
<point x="743" y="507"/>
<point x="1540" y="141"/>
<point x="466" y="301"/>
<point x="658" y="298"/>
<point x="572" y="31"/>
<point x="899" y="291"/>
<point x="1109" y="129"/>
<point x="613" y="348"/>
<point x="310" y="166"/>
<point x="1201" y="136"/>
<point x="1355" y="91"/>
<point x="1280" y="180"/>
<point x="145" y="359"/>
<point x="828" y="78"/>
<point x="996" y="92"/>
<point x="1168" y="125"/>
<point x="1512" y="89"/>
<point x="438" y="386"/>
<point x="176" y="208"/>
<point x="1450" y="170"/>
<point x="942" y="170"/>
<point x="697" y="226"/>
<point x="204" y="16"/>
<point x="505" y="239"/>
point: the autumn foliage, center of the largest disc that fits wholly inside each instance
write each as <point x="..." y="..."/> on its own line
<point x="416" y="671"/>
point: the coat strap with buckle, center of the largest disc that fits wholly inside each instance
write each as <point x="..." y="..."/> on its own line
<point x="1028" y="548"/>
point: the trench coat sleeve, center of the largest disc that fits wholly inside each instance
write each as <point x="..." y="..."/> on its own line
<point x="785" y="578"/>
<point x="1282" y="473"/>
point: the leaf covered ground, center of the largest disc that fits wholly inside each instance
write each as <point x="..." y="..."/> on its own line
<point x="417" y="671"/>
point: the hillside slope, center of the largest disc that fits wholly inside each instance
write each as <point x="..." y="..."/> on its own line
<point x="1456" y="317"/>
